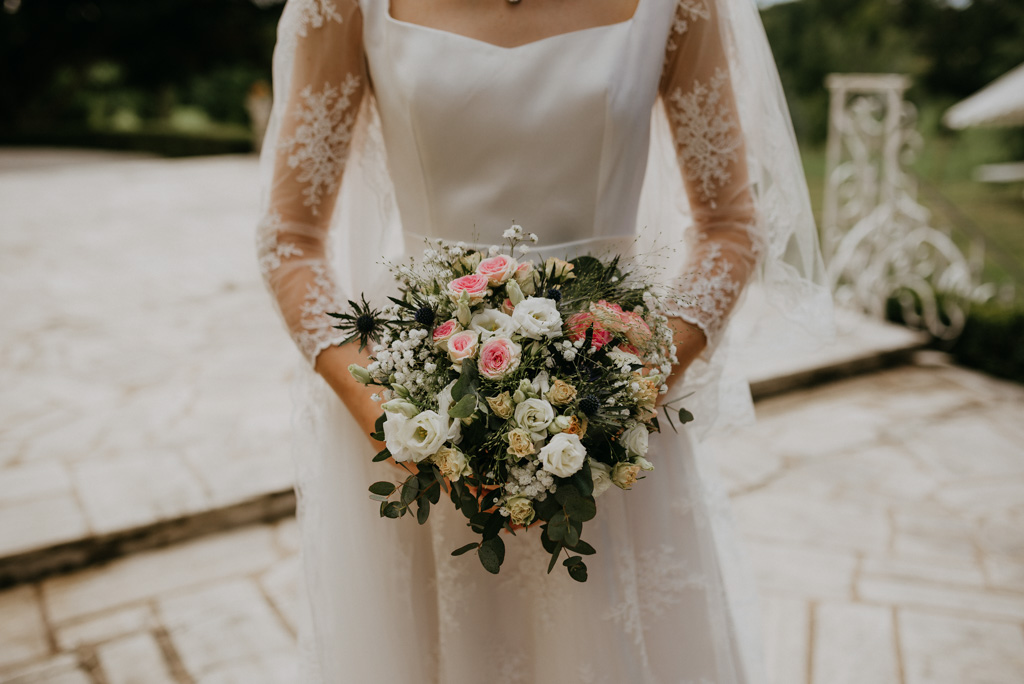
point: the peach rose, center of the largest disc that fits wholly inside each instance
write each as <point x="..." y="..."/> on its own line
<point x="444" y="331"/>
<point x="462" y="345"/>
<point x="498" y="268"/>
<point x="610" y="315"/>
<point x="637" y="331"/>
<point x="475" y="285"/>
<point x="499" y="356"/>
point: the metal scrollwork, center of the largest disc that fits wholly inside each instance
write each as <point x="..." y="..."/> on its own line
<point x="879" y="241"/>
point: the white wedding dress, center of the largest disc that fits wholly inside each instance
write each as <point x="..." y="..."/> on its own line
<point x="554" y="134"/>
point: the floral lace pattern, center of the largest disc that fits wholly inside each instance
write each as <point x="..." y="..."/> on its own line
<point x="317" y="332"/>
<point x="321" y="142"/>
<point x="706" y="134"/>
<point x="652" y="581"/>
<point x="269" y="249"/>
<point x="316" y="13"/>
<point x="710" y="293"/>
<point x="686" y="11"/>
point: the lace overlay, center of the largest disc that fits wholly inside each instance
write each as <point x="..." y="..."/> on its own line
<point x="726" y="236"/>
<point x="706" y="134"/>
<point x="321" y="143"/>
<point x="313" y="124"/>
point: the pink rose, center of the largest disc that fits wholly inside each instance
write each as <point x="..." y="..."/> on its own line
<point x="578" y="324"/>
<point x="499" y="356"/>
<point x="462" y="345"/>
<point x="637" y="331"/>
<point x="611" y="316"/>
<point x="498" y="269"/>
<point x="628" y="348"/>
<point x="507" y="307"/>
<point x="475" y="285"/>
<point x="445" y="331"/>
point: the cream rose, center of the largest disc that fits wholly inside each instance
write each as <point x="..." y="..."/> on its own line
<point x="452" y="463"/>
<point x="520" y="443"/>
<point x="520" y="510"/>
<point x="561" y="393"/>
<point x="537" y="318"/>
<point x="624" y="475"/>
<point x="491" y="323"/>
<point x="534" y="416"/>
<point x="498" y="269"/>
<point x="462" y="345"/>
<point x="635" y="440"/>
<point x="501" y="405"/>
<point x="563" y="455"/>
<point x="558" y="268"/>
<point x="526" y="277"/>
<point x="602" y="475"/>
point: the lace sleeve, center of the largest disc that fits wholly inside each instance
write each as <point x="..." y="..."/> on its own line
<point x="317" y="108"/>
<point x="725" y="241"/>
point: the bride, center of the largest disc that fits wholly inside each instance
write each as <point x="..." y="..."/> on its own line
<point x="651" y="127"/>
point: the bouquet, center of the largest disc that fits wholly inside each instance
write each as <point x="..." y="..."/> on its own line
<point x="521" y="390"/>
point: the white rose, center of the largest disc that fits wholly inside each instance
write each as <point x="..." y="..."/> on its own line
<point x="534" y="416"/>
<point x="537" y="318"/>
<point x="563" y="455"/>
<point x="602" y="475"/>
<point x="491" y="322"/>
<point x="423" y="435"/>
<point x="635" y="440"/>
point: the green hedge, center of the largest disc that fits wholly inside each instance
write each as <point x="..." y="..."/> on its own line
<point x="993" y="340"/>
<point x="168" y="144"/>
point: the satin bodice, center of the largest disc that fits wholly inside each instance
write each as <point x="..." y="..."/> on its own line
<point x="552" y="134"/>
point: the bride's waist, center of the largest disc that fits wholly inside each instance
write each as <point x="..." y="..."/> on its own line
<point x="598" y="245"/>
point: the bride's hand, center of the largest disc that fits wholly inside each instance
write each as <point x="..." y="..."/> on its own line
<point x="332" y="365"/>
<point x="690" y="342"/>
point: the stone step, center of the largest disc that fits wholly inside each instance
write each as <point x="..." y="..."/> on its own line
<point x="863" y="346"/>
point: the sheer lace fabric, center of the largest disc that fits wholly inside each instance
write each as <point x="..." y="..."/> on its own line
<point x="315" y="137"/>
<point x="726" y="240"/>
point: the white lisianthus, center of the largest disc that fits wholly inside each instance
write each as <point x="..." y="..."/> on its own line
<point x="635" y="439"/>
<point x="444" y="402"/>
<point x="491" y="322"/>
<point x="534" y="416"/>
<point x="602" y="475"/>
<point x="563" y="455"/>
<point x="537" y="318"/>
<point x="560" y="424"/>
<point x="406" y="408"/>
<point x="644" y="463"/>
<point x="420" y="437"/>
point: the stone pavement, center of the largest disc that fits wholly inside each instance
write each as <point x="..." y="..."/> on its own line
<point x="884" y="516"/>
<point x="144" y="396"/>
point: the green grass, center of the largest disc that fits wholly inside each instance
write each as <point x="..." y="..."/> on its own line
<point x="945" y="164"/>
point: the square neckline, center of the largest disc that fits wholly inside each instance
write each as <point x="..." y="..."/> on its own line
<point x="494" y="46"/>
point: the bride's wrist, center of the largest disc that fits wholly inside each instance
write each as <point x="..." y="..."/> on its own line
<point x="690" y="341"/>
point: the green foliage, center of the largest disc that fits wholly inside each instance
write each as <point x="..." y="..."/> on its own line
<point x="949" y="51"/>
<point x="992" y="340"/>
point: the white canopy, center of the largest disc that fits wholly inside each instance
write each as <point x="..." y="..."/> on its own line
<point x="1000" y="103"/>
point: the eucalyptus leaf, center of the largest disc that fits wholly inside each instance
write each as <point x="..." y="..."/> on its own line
<point x="581" y="509"/>
<point x="382" y="455"/>
<point x="390" y="510"/>
<point x="492" y="554"/>
<point x="382" y="488"/>
<point x="583" y="548"/>
<point x="578" y="572"/>
<point x="410" y="489"/>
<point x="422" y="511"/>
<point x="685" y="416"/>
<point x="554" y="557"/>
<point x="571" y="561"/>
<point x="464" y="549"/>
<point x="464" y="407"/>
